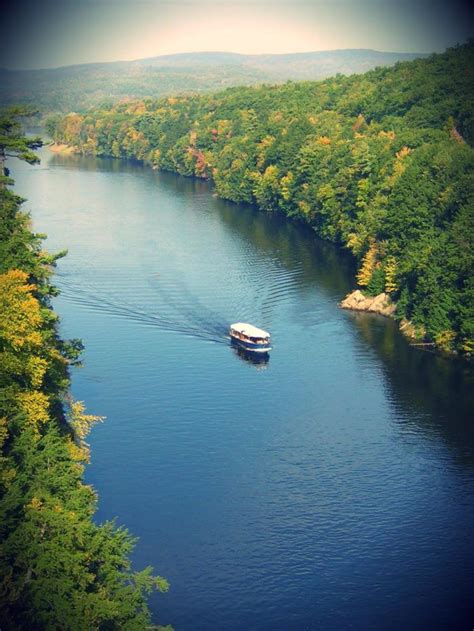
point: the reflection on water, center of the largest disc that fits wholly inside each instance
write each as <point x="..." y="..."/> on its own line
<point x="257" y="359"/>
<point x="332" y="487"/>
<point x="433" y="394"/>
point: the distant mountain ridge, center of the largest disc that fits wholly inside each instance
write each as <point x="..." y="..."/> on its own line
<point x="81" y="86"/>
<point x="366" y="55"/>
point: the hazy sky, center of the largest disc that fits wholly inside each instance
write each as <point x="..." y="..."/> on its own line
<point x="49" y="33"/>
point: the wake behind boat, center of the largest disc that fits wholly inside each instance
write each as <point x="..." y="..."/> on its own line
<point x="250" y="337"/>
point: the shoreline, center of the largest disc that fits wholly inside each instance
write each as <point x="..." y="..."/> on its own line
<point x="381" y="304"/>
<point x="55" y="147"/>
<point x="384" y="306"/>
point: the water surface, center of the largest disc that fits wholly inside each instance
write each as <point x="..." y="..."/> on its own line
<point x="330" y="488"/>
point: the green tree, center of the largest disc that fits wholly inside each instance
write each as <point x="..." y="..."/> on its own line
<point x="13" y="143"/>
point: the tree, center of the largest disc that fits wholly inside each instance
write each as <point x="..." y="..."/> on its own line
<point x="368" y="266"/>
<point x="13" y="143"/>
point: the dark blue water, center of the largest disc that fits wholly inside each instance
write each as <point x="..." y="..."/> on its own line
<point x="330" y="488"/>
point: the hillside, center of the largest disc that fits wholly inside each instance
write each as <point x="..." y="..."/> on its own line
<point x="79" y="87"/>
<point x="380" y="163"/>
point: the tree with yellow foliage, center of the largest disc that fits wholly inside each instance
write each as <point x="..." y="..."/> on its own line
<point x="81" y="424"/>
<point x="390" y="269"/>
<point x="368" y="266"/>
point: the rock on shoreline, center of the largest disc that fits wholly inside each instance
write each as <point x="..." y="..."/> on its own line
<point x="379" y="304"/>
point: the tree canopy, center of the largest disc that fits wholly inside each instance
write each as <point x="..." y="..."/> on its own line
<point x="12" y="141"/>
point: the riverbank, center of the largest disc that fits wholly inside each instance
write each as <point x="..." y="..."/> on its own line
<point x="62" y="148"/>
<point x="383" y="305"/>
<point x="356" y="301"/>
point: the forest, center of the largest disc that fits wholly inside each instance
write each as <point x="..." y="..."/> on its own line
<point x="379" y="163"/>
<point x="59" y="569"/>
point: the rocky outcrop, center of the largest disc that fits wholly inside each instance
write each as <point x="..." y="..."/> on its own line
<point x="384" y="306"/>
<point x="378" y="304"/>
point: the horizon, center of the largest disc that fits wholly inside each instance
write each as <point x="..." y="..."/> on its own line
<point x="62" y="33"/>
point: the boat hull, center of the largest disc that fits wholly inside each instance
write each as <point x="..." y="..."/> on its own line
<point x="250" y="346"/>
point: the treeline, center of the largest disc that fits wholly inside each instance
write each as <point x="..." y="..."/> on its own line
<point x="381" y="163"/>
<point x="58" y="569"/>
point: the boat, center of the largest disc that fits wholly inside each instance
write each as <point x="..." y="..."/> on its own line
<point x="250" y="337"/>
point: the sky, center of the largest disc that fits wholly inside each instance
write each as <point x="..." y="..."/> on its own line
<point x="51" y="33"/>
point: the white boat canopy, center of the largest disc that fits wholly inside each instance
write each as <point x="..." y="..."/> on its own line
<point x="249" y="330"/>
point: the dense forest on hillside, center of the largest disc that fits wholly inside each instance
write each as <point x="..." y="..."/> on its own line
<point x="58" y="568"/>
<point x="85" y="85"/>
<point x="380" y="163"/>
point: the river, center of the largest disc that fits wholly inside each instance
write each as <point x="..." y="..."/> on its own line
<point x="331" y="487"/>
